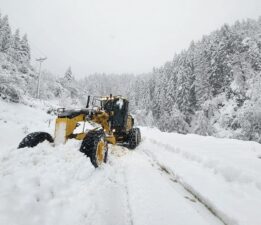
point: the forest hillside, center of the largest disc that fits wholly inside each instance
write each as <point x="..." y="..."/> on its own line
<point x="211" y="88"/>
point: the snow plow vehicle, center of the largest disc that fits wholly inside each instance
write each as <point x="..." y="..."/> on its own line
<point x="110" y="123"/>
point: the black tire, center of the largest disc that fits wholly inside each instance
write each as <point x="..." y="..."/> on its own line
<point x="106" y="155"/>
<point x="134" y="138"/>
<point x="95" y="147"/>
<point x="139" y="135"/>
<point x="33" y="139"/>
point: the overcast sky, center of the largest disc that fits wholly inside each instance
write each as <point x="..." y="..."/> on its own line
<point x="118" y="36"/>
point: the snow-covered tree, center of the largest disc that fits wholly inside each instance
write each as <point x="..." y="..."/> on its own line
<point x="25" y="50"/>
<point x="5" y="34"/>
<point x="68" y="76"/>
<point x="15" y="49"/>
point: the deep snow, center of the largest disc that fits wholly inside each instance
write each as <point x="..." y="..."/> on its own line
<point x="223" y="173"/>
<point x="58" y="185"/>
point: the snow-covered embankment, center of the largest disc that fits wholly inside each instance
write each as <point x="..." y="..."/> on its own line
<point x="222" y="173"/>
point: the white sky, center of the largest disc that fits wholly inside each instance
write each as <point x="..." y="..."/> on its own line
<point x="117" y="36"/>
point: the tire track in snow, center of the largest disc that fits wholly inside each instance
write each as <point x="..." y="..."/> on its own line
<point x="108" y="193"/>
<point x="128" y="201"/>
<point x="150" y="204"/>
<point x="170" y="175"/>
<point x="122" y="169"/>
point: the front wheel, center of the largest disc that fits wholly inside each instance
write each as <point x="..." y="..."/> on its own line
<point x="35" y="138"/>
<point x="95" y="147"/>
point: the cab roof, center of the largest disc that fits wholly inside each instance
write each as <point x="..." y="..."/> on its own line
<point x="110" y="97"/>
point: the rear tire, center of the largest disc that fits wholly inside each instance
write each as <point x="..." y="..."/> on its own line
<point x="134" y="138"/>
<point x="95" y="147"/>
<point x="35" y="138"/>
<point x="139" y="135"/>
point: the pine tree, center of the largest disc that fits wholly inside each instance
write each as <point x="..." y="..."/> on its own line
<point x="1" y="24"/>
<point x="68" y="76"/>
<point x="25" y="50"/>
<point x="155" y="107"/>
<point x="202" y="62"/>
<point x="186" y="96"/>
<point x="15" y="50"/>
<point x="5" y="34"/>
<point x="220" y="72"/>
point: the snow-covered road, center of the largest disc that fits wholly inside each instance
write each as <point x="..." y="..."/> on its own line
<point x="169" y="179"/>
<point x="59" y="186"/>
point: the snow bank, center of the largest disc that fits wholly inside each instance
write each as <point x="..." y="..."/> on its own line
<point x="36" y="185"/>
<point x="17" y="120"/>
<point x="223" y="173"/>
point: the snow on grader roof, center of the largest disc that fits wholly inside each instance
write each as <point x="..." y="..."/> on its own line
<point x="110" y="97"/>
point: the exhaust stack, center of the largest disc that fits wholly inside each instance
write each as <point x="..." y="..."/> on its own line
<point x="88" y="101"/>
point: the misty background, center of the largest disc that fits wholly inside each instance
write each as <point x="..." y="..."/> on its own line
<point x="118" y="36"/>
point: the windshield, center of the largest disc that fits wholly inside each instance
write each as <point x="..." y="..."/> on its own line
<point x="96" y="102"/>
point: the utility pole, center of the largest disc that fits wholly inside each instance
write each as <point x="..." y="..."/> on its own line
<point x="40" y="60"/>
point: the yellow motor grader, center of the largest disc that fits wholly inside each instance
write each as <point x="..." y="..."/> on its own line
<point x="111" y="123"/>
